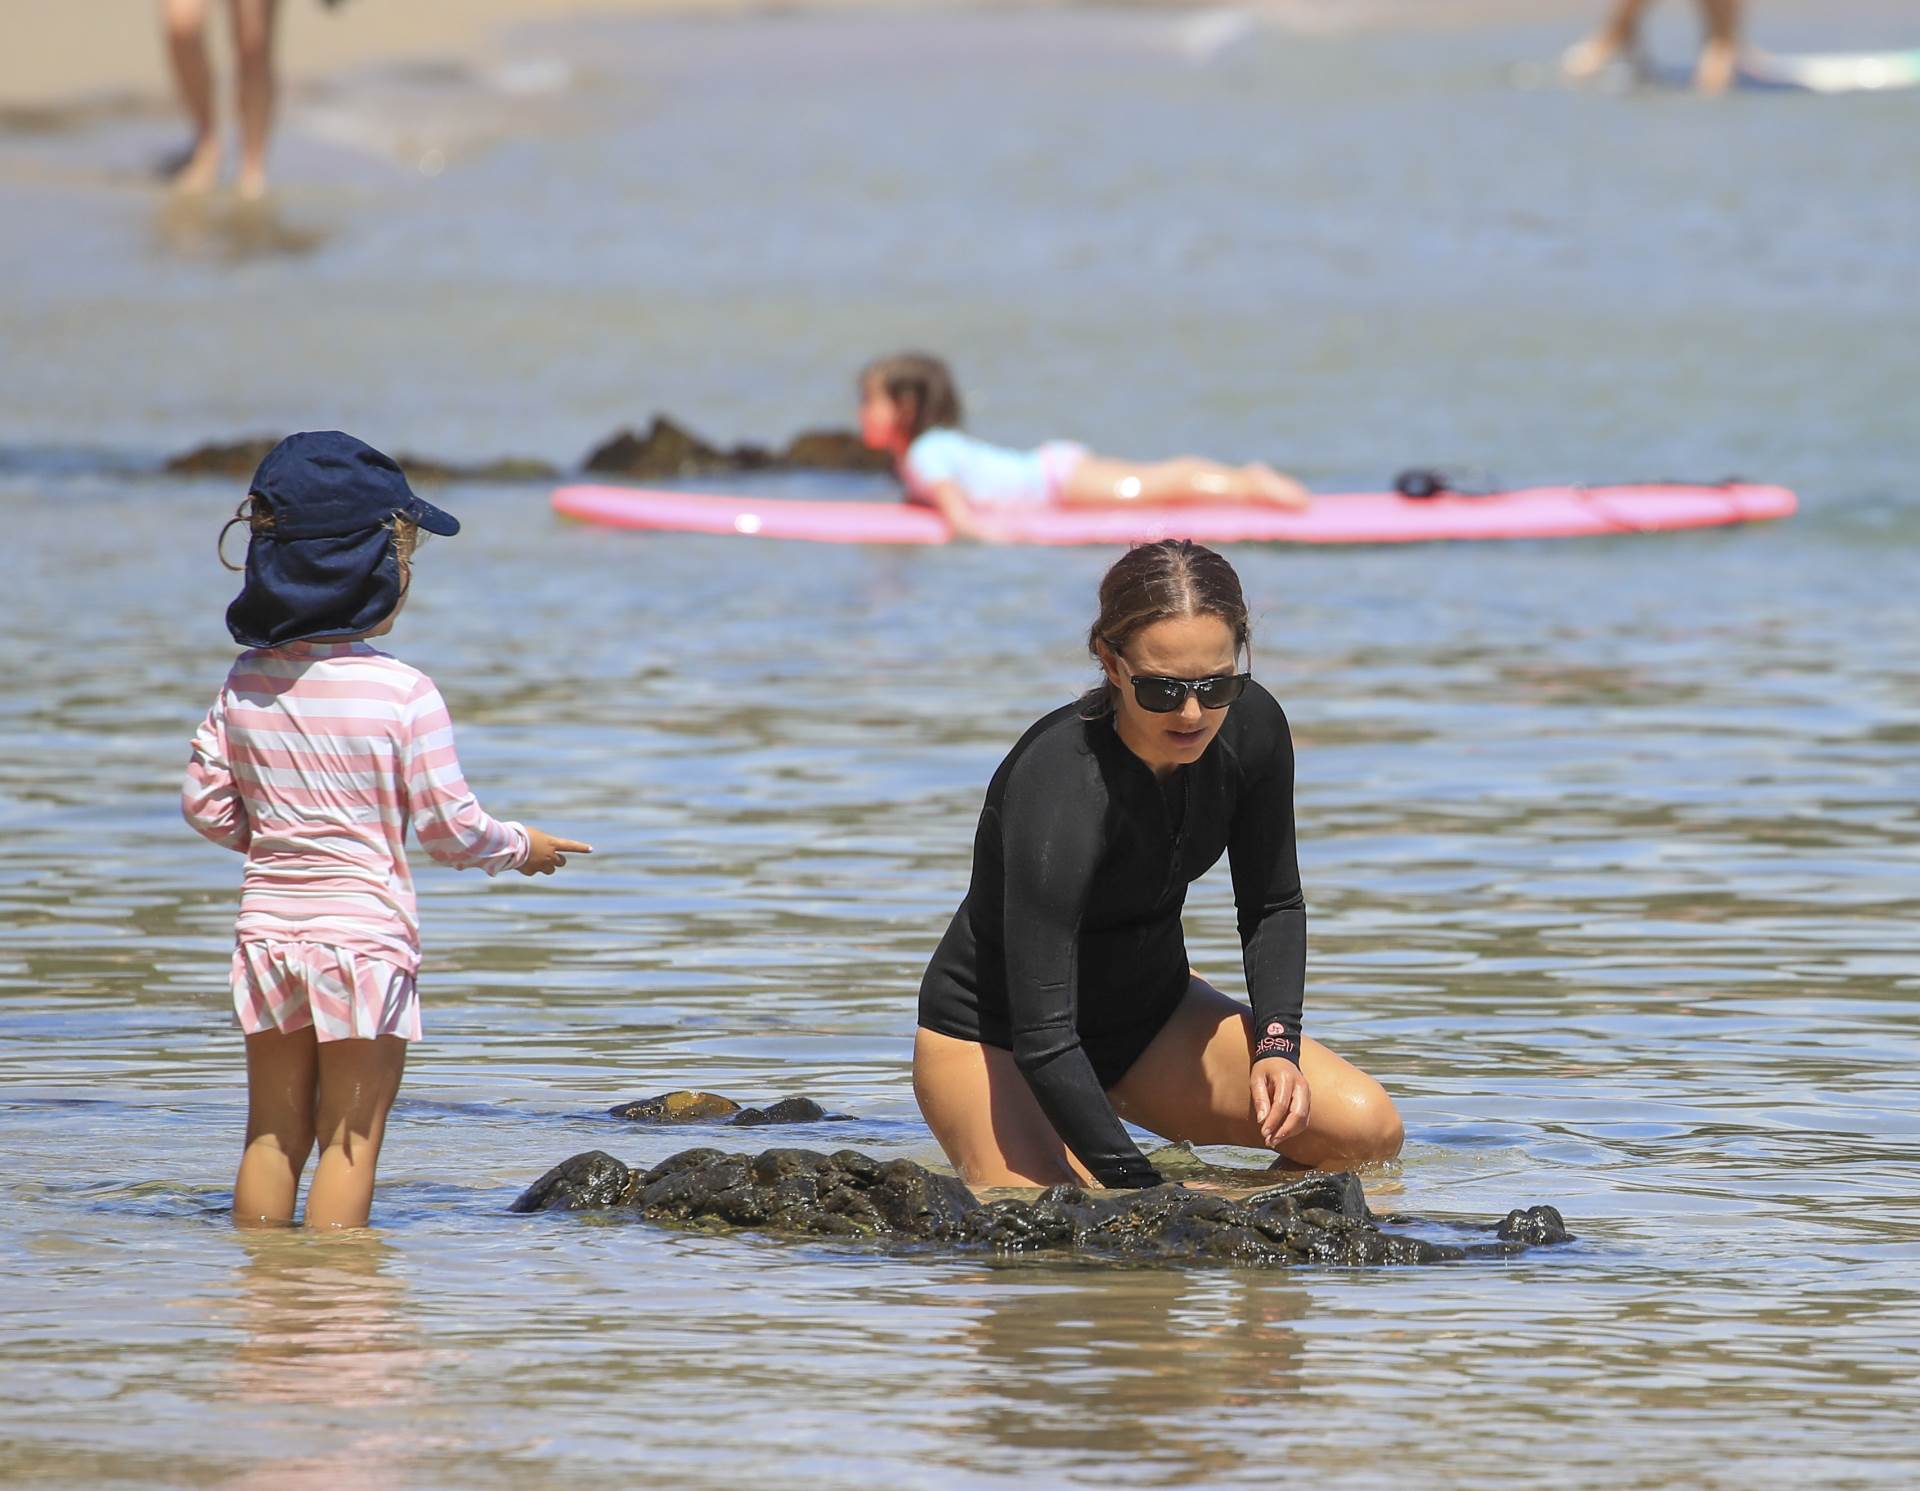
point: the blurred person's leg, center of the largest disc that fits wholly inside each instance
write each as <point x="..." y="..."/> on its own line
<point x="1719" y="63"/>
<point x="1617" y="36"/>
<point x="184" y="23"/>
<point x="253" y="28"/>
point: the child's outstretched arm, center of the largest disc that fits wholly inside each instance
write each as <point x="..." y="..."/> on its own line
<point x="447" y="819"/>
<point x="950" y="501"/>
<point x="209" y="798"/>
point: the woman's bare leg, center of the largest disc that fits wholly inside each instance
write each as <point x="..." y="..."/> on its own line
<point x="986" y="1117"/>
<point x="282" y="1072"/>
<point x="1099" y="481"/>
<point x="1719" y="65"/>
<point x="358" y="1082"/>
<point x="253" y="27"/>
<point x="184" y="23"/>
<point x="1194" y="1083"/>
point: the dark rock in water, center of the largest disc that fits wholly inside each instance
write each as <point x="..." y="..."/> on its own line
<point x="234" y="458"/>
<point x="665" y="449"/>
<point x="668" y="448"/>
<point x="787" y="1110"/>
<point x="798" y="1190"/>
<point x="1307" y="1219"/>
<point x="832" y="450"/>
<point x="711" y="1107"/>
<point x="587" y="1182"/>
<point x="677" y="1107"/>
<point x="1537" y="1225"/>
<point x="237" y="459"/>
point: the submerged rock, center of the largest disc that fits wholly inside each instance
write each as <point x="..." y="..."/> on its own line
<point x="779" y="1190"/>
<point x="833" y="450"/>
<point x="710" y="1107"/>
<point x="1305" y="1219"/>
<point x="668" y="448"/>
<point x="1180" y="1162"/>
<point x="1537" y="1225"/>
<point x="677" y="1107"/>
<point x="238" y="458"/>
<point x="235" y="458"/>
<point x="787" y="1110"/>
<point x="586" y="1182"/>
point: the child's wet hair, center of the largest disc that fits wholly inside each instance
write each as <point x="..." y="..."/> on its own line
<point x="921" y="386"/>
<point x="258" y="518"/>
<point x="1165" y="581"/>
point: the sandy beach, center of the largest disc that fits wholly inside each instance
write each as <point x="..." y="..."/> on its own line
<point x="111" y="47"/>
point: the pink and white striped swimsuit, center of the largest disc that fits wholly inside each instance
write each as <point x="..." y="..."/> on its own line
<point x="312" y="763"/>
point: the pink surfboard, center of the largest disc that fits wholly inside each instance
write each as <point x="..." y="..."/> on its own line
<point x="1333" y="518"/>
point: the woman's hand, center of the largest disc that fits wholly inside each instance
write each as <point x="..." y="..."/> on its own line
<point x="1280" y="1101"/>
<point x="545" y="853"/>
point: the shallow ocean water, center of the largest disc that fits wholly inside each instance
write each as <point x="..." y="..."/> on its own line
<point x="1610" y="846"/>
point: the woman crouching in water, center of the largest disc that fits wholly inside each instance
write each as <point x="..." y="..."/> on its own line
<point x="1061" y="1001"/>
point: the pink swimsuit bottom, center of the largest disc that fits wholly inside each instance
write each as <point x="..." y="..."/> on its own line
<point x="343" y="995"/>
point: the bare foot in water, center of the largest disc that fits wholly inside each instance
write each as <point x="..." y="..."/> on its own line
<point x="251" y="184"/>
<point x="1275" y="488"/>
<point x="196" y="170"/>
<point x="1588" y="59"/>
<point x="1718" y="68"/>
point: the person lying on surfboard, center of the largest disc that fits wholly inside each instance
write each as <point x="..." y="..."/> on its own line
<point x="910" y="409"/>
<point x="1619" y="36"/>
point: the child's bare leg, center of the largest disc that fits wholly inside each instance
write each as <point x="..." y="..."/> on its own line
<point x="1719" y="64"/>
<point x="1618" y="34"/>
<point x="185" y="25"/>
<point x="358" y="1081"/>
<point x="1097" y="481"/>
<point x="253" y="23"/>
<point x="281" y="1076"/>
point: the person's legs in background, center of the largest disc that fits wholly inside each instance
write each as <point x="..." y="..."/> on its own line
<point x="184" y="23"/>
<point x="1719" y="64"/>
<point x="253" y="28"/>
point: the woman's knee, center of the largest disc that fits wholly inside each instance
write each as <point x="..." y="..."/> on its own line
<point x="1371" y="1128"/>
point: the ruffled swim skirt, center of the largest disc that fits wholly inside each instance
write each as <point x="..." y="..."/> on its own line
<point x="343" y="995"/>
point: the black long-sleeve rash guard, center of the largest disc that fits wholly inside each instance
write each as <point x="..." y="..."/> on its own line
<point x="1070" y="934"/>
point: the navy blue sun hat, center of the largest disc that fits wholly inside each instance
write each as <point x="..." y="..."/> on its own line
<point x="325" y="567"/>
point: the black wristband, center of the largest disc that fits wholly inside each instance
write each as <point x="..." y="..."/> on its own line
<point x="1277" y="1038"/>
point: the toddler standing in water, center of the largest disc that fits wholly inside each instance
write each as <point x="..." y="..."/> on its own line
<point x="910" y="409"/>
<point x="312" y="762"/>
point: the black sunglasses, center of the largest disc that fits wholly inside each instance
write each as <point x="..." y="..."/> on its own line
<point x="1159" y="695"/>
